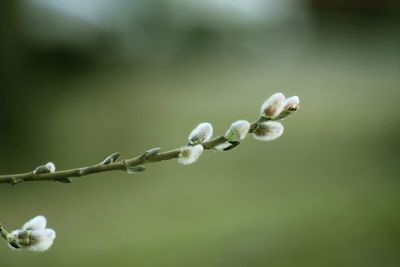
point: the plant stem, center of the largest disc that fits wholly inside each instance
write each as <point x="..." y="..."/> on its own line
<point x="3" y="232"/>
<point x="122" y="165"/>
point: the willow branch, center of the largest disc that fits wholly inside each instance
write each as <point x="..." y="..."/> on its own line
<point x="64" y="176"/>
<point x="5" y="235"/>
<point x="35" y="236"/>
<point x="3" y="232"/>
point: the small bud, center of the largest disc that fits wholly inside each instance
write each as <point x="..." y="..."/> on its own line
<point x="238" y="130"/>
<point x="202" y="133"/>
<point x="273" y="106"/>
<point x="51" y="167"/>
<point x="232" y="146"/>
<point x="48" y="168"/>
<point x="151" y="153"/>
<point x="135" y="169"/>
<point x="189" y="154"/>
<point x="64" y="180"/>
<point x="226" y="146"/>
<point x="110" y="159"/>
<point x="33" y="236"/>
<point x="222" y="146"/>
<point x="268" y="131"/>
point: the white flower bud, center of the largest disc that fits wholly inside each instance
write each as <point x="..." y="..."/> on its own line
<point x="292" y="103"/>
<point x="33" y="236"/>
<point x="43" y="239"/>
<point x="48" y="168"/>
<point x="51" y="167"/>
<point x="268" y="131"/>
<point x="202" y="133"/>
<point x="238" y="130"/>
<point x="39" y="222"/>
<point x="189" y="154"/>
<point x="273" y="106"/>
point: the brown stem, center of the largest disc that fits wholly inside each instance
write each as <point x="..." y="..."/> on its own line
<point x="64" y="176"/>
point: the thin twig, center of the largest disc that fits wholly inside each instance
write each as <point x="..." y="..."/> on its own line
<point x="3" y="232"/>
<point x="64" y="176"/>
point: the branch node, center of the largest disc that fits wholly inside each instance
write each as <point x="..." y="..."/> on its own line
<point x="15" y="180"/>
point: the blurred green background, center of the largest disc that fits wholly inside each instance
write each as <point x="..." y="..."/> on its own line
<point x="82" y="79"/>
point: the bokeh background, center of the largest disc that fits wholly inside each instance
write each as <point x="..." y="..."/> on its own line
<point x="82" y="79"/>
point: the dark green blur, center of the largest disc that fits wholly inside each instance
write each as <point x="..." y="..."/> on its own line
<point x="327" y="193"/>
